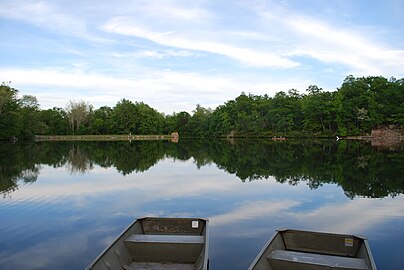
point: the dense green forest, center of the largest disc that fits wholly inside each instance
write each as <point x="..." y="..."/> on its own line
<point x="357" y="106"/>
<point x="356" y="166"/>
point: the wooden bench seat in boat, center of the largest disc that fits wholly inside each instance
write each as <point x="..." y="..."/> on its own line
<point x="169" y="239"/>
<point x="163" y="248"/>
<point x="284" y="259"/>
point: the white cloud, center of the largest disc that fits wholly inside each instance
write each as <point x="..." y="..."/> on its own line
<point x="330" y="44"/>
<point x="171" y="10"/>
<point x="251" y="57"/>
<point x="362" y="52"/>
<point x="43" y="14"/>
<point x="157" y="54"/>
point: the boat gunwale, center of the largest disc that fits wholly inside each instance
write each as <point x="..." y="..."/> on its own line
<point x="369" y="252"/>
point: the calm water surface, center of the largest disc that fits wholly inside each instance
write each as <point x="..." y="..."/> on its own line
<point x="61" y="203"/>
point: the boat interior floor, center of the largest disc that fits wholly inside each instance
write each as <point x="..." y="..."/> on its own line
<point x="160" y="266"/>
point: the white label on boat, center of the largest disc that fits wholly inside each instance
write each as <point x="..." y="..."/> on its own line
<point x="195" y="224"/>
<point x="348" y="242"/>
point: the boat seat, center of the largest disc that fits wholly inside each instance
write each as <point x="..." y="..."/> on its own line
<point x="170" y="239"/>
<point x="284" y="259"/>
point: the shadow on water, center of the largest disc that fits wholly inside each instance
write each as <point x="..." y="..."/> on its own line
<point x="359" y="168"/>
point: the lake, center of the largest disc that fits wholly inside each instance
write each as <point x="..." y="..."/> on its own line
<point x="62" y="203"/>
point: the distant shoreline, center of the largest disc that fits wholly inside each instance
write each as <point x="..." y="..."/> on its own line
<point x="104" y="137"/>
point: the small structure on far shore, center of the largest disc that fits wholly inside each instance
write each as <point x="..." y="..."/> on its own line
<point x="386" y="136"/>
<point x="175" y="137"/>
<point x="278" y="138"/>
<point x="383" y="136"/>
<point x="389" y="133"/>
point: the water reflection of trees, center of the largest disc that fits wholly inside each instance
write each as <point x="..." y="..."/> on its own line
<point x="78" y="161"/>
<point x="355" y="166"/>
<point x="16" y="163"/>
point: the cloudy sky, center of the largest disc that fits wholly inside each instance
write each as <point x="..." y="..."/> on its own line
<point x="174" y="54"/>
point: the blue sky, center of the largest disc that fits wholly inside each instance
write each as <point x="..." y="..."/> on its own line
<point x="173" y="54"/>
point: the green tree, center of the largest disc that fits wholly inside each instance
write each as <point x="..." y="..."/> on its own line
<point x="318" y="110"/>
<point x="9" y="116"/>
<point x="245" y="114"/>
<point x="100" y="121"/>
<point x="54" y="122"/>
<point x="199" y="122"/>
<point x="220" y="122"/>
<point x="149" y="120"/>
<point x="285" y="112"/>
<point x="389" y="96"/>
<point x="181" y="120"/>
<point x="124" y="117"/>
<point x="29" y="116"/>
<point x="357" y="108"/>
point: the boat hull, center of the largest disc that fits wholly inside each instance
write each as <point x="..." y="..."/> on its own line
<point x="301" y="250"/>
<point x="158" y="244"/>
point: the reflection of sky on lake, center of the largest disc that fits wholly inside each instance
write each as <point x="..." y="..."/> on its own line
<point x="63" y="221"/>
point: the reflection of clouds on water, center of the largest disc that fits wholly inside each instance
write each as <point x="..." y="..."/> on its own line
<point x="45" y="254"/>
<point x="168" y="181"/>
<point x="252" y="211"/>
<point x="96" y="207"/>
<point x="65" y="244"/>
<point x="351" y="217"/>
<point x="354" y="216"/>
<point x="171" y="182"/>
<point x="251" y="219"/>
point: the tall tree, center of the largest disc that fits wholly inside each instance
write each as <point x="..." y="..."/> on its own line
<point x="77" y="112"/>
<point x="357" y="108"/>
<point x="318" y="109"/>
<point x="124" y="117"/>
<point x="199" y="121"/>
<point x="29" y="116"/>
<point x="9" y="117"/>
<point x="149" y="120"/>
<point x="181" y="120"/>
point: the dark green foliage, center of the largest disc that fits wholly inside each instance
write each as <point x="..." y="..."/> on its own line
<point x="366" y="102"/>
<point x="179" y="122"/>
<point x="357" y="110"/>
<point x="135" y="118"/>
<point x="100" y="121"/>
<point x="150" y="121"/>
<point x="124" y="118"/>
<point x="53" y="122"/>
<point x="198" y="124"/>
<point x="359" y="105"/>
<point x="30" y="121"/>
<point x="319" y="110"/>
<point x="9" y="116"/>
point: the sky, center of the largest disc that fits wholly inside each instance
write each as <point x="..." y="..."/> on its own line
<point x="173" y="55"/>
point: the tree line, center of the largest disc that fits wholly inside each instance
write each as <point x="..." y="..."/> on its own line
<point x="357" y="106"/>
